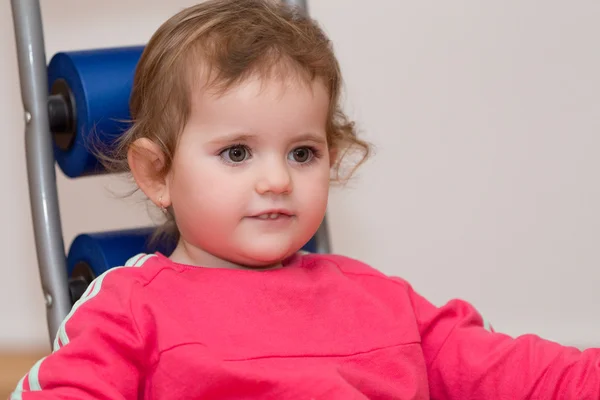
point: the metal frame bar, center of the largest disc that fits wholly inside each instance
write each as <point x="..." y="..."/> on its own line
<point x="302" y="4"/>
<point x="322" y="238"/>
<point x="41" y="173"/>
<point x="49" y="241"/>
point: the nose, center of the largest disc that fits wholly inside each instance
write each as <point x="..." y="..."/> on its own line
<point x="274" y="177"/>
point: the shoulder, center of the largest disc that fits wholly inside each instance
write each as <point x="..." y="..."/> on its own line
<point x="117" y="287"/>
<point x="350" y="266"/>
<point x="343" y="263"/>
<point x="139" y="270"/>
<point x="109" y="301"/>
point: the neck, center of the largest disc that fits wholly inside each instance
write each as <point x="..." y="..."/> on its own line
<point x="187" y="254"/>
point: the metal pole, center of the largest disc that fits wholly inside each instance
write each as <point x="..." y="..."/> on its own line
<point x="322" y="238"/>
<point x="40" y="161"/>
<point x="302" y="4"/>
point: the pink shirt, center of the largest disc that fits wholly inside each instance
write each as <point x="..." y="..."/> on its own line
<point x="322" y="327"/>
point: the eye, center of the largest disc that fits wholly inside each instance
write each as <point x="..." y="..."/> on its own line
<point x="302" y="155"/>
<point x="235" y="154"/>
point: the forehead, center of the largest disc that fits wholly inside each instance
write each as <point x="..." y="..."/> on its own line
<point x="262" y="105"/>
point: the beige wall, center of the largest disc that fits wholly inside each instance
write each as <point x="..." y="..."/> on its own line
<point x="485" y="184"/>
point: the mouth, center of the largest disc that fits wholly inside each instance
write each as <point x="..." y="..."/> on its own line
<point x="273" y="215"/>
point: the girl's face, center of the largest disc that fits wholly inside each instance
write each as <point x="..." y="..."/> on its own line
<point x="250" y="177"/>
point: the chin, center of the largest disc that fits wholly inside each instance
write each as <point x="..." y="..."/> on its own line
<point x="266" y="257"/>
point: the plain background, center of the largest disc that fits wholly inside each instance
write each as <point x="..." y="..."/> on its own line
<point x="485" y="181"/>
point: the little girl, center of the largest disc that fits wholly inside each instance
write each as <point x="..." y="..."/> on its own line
<point x="237" y="133"/>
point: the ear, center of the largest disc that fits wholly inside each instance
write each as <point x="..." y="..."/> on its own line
<point x="146" y="159"/>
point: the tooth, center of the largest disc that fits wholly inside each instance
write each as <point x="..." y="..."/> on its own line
<point x="274" y="216"/>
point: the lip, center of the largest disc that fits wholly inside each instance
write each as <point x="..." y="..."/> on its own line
<point x="282" y="211"/>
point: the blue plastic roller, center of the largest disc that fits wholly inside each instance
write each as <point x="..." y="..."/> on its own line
<point x="89" y="95"/>
<point x="102" y="251"/>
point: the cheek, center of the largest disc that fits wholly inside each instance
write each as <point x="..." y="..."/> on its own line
<point x="313" y="190"/>
<point x="196" y="190"/>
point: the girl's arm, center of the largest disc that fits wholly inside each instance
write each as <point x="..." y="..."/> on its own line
<point x="467" y="361"/>
<point x="99" y="352"/>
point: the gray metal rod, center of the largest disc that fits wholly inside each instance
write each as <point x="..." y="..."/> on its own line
<point x="302" y="4"/>
<point x="40" y="161"/>
<point x="322" y="238"/>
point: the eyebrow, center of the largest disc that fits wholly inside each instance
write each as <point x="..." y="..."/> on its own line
<point x="311" y="137"/>
<point x="233" y="138"/>
<point x="245" y="137"/>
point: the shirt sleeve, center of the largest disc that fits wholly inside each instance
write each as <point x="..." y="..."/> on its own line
<point x="98" y="353"/>
<point x="466" y="359"/>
